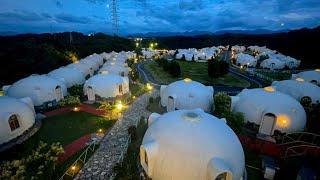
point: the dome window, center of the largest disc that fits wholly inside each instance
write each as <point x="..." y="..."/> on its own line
<point x="59" y="93"/>
<point x="13" y="122"/>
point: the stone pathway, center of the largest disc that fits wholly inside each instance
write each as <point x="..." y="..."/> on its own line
<point x="114" y="145"/>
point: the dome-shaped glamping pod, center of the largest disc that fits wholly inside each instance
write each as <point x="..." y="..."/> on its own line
<point x="86" y="70"/>
<point x="104" y="87"/>
<point x="17" y="116"/>
<point x="298" y="89"/>
<point x="270" y="109"/>
<point x="115" y="69"/>
<point x="310" y="76"/>
<point x="43" y="90"/>
<point x="191" y="144"/>
<point x="186" y="94"/>
<point x="69" y="76"/>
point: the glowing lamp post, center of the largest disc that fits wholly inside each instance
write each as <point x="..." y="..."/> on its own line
<point x="149" y="87"/>
<point x="119" y="106"/>
<point x="76" y="109"/>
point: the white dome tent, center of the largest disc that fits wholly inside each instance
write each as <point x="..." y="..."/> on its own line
<point x="272" y="63"/>
<point x="115" y="69"/>
<point x="86" y="70"/>
<point x="298" y="89"/>
<point x="246" y="60"/>
<point x="186" y="94"/>
<point x="69" y="76"/>
<point x="310" y="76"/>
<point x="17" y="116"/>
<point x="102" y="86"/>
<point x="43" y="90"/>
<point x="270" y="109"/>
<point x="191" y="144"/>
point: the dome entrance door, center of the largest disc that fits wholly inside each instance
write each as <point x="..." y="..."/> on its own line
<point x="267" y="123"/>
<point x="90" y="94"/>
<point x="171" y="104"/>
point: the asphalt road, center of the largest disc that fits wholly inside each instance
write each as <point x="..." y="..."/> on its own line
<point x="146" y="77"/>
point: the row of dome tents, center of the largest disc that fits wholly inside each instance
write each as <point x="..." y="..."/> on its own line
<point x="274" y="59"/>
<point x="168" y="141"/>
<point x="198" y="55"/>
<point x="18" y="105"/>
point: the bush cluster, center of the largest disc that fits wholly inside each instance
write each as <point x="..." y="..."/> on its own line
<point x="222" y="109"/>
<point x="172" y="67"/>
<point x="70" y="101"/>
<point x="38" y="165"/>
<point x="217" y="68"/>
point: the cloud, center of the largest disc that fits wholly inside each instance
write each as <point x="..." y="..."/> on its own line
<point x="69" y="18"/>
<point x="25" y="16"/>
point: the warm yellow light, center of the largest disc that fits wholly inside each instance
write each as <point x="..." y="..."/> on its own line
<point x="137" y="44"/>
<point x="76" y="109"/>
<point x="133" y="97"/>
<point x="269" y="89"/>
<point x="104" y="72"/>
<point x="151" y="45"/>
<point x="73" y="168"/>
<point x="300" y="79"/>
<point x="187" y="80"/>
<point x="119" y="106"/>
<point x="283" y="121"/>
<point x="100" y="130"/>
<point x="318" y="70"/>
<point x="156" y="44"/>
<point x="149" y="87"/>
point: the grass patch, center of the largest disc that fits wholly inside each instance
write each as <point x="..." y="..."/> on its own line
<point x="278" y="76"/>
<point x="137" y="89"/>
<point x="154" y="106"/>
<point x="196" y="71"/>
<point x="128" y="169"/>
<point x="64" y="128"/>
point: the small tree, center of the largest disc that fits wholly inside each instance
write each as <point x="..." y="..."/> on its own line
<point x="222" y="104"/>
<point x="193" y="58"/>
<point x="183" y="58"/>
<point x="70" y="101"/>
<point x="174" y="69"/>
<point x="224" y="67"/>
<point x="235" y="120"/>
<point x="210" y="68"/>
<point x="76" y="90"/>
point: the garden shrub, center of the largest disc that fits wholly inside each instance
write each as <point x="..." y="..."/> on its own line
<point x="76" y="90"/>
<point x="38" y="165"/>
<point x="222" y="104"/>
<point x="70" y="101"/>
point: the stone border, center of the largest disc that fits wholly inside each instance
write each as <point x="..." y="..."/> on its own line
<point x="114" y="145"/>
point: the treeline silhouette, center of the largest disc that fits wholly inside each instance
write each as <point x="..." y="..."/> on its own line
<point x="27" y="54"/>
<point x="303" y="44"/>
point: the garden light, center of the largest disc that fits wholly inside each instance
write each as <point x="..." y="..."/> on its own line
<point x="149" y="87"/>
<point x="76" y="109"/>
<point x="119" y="106"/>
<point x="100" y="130"/>
<point x="133" y="97"/>
<point x="73" y="168"/>
<point x="269" y="89"/>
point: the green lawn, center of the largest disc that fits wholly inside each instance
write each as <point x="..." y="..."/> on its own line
<point x="279" y="76"/>
<point x="196" y="71"/>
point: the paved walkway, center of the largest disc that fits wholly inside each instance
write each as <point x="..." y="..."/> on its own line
<point x="74" y="147"/>
<point x="114" y="145"/>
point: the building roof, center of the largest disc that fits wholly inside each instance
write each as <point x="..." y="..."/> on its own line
<point x="68" y="75"/>
<point x="255" y="103"/>
<point x="298" y="89"/>
<point x="183" y="143"/>
<point x="186" y="91"/>
<point x="25" y="113"/>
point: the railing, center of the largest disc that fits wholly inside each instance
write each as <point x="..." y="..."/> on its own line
<point x="299" y="150"/>
<point x="82" y="159"/>
<point x="300" y="137"/>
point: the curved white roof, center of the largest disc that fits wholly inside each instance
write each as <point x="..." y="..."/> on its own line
<point x="114" y="69"/>
<point x="246" y="59"/>
<point x="69" y="76"/>
<point x="191" y="144"/>
<point x="23" y="111"/>
<point x="188" y="94"/>
<point x="298" y="89"/>
<point x="255" y="103"/>
<point x="309" y="76"/>
<point x="40" y="88"/>
<point x="82" y="67"/>
<point x="107" y="85"/>
<point x="272" y="64"/>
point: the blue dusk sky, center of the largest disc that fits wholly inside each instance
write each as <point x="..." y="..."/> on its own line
<point x="141" y="16"/>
